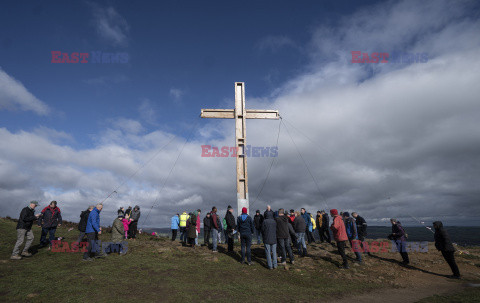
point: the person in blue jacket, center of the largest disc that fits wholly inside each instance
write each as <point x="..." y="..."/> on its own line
<point x="352" y="234"/>
<point x="92" y="231"/>
<point x="246" y="229"/>
<point x="175" y="225"/>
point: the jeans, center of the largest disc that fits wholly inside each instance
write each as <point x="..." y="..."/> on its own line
<point x="91" y="238"/>
<point x="341" y="251"/>
<point x="214" y="239"/>
<point x="450" y="258"/>
<point x="174" y="234"/>
<point x="285" y="248"/>
<point x="21" y="233"/>
<point x="301" y="245"/>
<point x="401" y="247"/>
<point x="246" y="241"/>
<point x="183" y="234"/>
<point x="271" y="252"/>
<point x="80" y="236"/>
<point x="51" y="235"/>
<point x="259" y="234"/>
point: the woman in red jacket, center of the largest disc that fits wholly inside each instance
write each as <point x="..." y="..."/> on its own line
<point x="340" y="235"/>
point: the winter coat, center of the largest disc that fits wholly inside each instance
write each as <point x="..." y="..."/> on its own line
<point x="291" y="219"/>
<point x="135" y="214"/>
<point x="125" y="223"/>
<point x="183" y="219"/>
<point x="118" y="231"/>
<point x="230" y="220"/>
<point x="93" y="222"/>
<point x="245" y="225"/>
<point x="215" y="221"/>
<point x="319" y="221"/>
<point x="27" y="216"/>
<point x="269" y="230"/>
<point x="306" y="217"/>
<point x="50" y="217"/>
<point x="351" y="229"/>
<point x="258" y="220"/>
<point x="82" y="225"/>
<point x="326" y="221"/>
<point x="199" y="222"/>
<point x="361" y="226"/>
<point x="175" y="222"/>
<point x="398" y="233"/>
<point x="442" y="239"/>
<point x="128" y="211"/>
<point x="269" y="212"/>
<point x="338" y="229"/>
<point x="282" y="227"/>
<point x="192" y="227"/>
<point x="207" y="223"/>
<point x="299" y="225"/>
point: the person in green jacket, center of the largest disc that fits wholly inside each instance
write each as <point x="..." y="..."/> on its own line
<point x="118" y="234"/>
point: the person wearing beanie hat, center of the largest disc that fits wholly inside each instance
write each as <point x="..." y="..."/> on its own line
<point x="340" y="235"/>
<point x="258" y="221"/>
<point x="231" y="228"/>
<point x="24" y="228"/>
<point x="246" y="229"/>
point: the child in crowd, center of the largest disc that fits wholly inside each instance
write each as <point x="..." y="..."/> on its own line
<point x="126" y="221"/>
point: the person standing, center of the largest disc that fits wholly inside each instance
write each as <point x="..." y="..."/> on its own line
<point x="283" y="237"/>
<point x="121" y="211"/>
<point x="352" y="234"/>
<point x="192" y="228"/>
<point x="207" y="228"/>
<point x="398" y="235"/>
<point x="118" y="234"/>
<point x="92" y="231"/>
<point x="340" y="235"/>
<point x="444" y="245"/>
<point x="231" y="227"/>
<point x="134" y="225"/>
<point x="319" y="222"/>
<point x="24" y="228"/>
<point x="198" y="222"/>
<point x="183" y="227"/>
<point x="82" y="225"/>
<point x="269" y="233"/>
<point x="325" y="226"/>
<point x="308" y="223"/>
<point x="299" y="227"/>
<point x="268" y="210"/>
<point x="246" y="229"/>
<point x="175" y="223"/>
<point x="258" y="220"/>
<point x="128" y="211"/>
<point x="50" y="218"/>
<point x="216" y="228"/>
<point x="361" y="229"/>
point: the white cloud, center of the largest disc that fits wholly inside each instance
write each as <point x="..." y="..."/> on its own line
<point x="110" y="25"/>
<point x="274" y="43"/>
<point x="147" y="113"/>
<point x="14" y="96"/>
<point x="176" y="93"/>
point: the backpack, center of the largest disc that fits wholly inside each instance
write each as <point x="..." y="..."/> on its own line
<point x="224" y="224"/>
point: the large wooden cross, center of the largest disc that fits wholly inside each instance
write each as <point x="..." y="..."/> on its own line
<point x="240" y="114"/>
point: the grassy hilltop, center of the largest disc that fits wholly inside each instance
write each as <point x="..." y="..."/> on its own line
<point x="157" y="270"/>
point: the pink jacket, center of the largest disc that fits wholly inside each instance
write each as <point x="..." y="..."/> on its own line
<point x="126" y="222"/>
<point x="198" y="223"/>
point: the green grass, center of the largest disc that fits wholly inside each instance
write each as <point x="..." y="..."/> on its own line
<point x="470" y="295"/>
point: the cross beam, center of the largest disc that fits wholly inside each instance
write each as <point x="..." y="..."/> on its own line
<point x="240" y="114"/>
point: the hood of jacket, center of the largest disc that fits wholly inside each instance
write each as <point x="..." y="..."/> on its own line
<point x="438" y="225"/>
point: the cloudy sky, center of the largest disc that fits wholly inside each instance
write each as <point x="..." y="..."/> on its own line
<point x="383" y="139"/>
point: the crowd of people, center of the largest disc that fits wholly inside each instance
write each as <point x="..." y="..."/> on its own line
<point x="279" y="231"/>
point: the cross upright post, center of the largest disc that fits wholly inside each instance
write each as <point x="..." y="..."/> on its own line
<point x="240" y="114"/>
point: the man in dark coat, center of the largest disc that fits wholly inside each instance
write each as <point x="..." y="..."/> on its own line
<point x="361" y="228"/>
<point x="269" y="233"/>
<point x="82" y="225"/>
<point x="444" y="245"/>
<point x="325" y="227"/>
<point x="269" y="210"/>
<point x="231" y="227"/>
<point x="132" y="230"/>
<point x="258" y="220"/>
<point x="398" y="235"/>
<point x="24" y="228"/>
<point x="299" y="227"/>
<point x="283" y="237"/>
<point x="216" y="228"/>
<point x="246" y="230"/>
<point x="50" y="218"/>
<point x="207" y="227"/>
